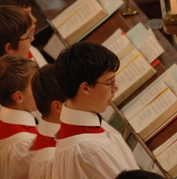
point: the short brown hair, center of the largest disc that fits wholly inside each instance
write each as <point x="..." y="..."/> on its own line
<point x="15" y="72"/>
<point x="14" y="22"/>
<point x="45" y="86"/>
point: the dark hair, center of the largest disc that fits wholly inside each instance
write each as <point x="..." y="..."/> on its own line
<point x="83" y="62"/>
<point x="46" y="89"/>
<point x="15" y="73"/>
<point x="14" y="22"/>
<point x="138" y="174"/>
<point x="20" y="3"/>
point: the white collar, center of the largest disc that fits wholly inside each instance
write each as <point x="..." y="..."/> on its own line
<point x="79" y="118"/>
<point x="48" y="129"/>
<point x="13" y="116"/>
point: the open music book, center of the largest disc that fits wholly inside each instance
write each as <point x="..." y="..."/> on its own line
<point x="153" y="106"/>
<point x="166" y="154"/>
<point x="82" y="16"/>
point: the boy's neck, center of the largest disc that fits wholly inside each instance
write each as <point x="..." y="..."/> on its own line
<point x="52" y="119"/>
<point x="16" y="107"/>
<point x="77" y="104"/>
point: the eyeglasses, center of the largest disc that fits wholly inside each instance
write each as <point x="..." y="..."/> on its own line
<point x="30" y="36"/>
<point x="112" y="83"/>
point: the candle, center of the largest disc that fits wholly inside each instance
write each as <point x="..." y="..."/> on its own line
<point x="163" y="10"/>
<point x="173" y="4"/>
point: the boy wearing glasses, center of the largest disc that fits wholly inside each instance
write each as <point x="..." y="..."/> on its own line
<point x="26" y="5"/>
<point x="17" y="124"/>
<point x="15" y="33"/>
<point x="49" y="100"/>
<point x="86" y="147"/>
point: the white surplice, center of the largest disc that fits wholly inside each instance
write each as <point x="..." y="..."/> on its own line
<point x="90" y="155"/>
<point x="42" y="160"/>
<point x="41" y="163"/>
<point x="14" y="150"/>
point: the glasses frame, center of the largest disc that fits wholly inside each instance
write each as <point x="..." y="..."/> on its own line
<point x="112" y="83"/>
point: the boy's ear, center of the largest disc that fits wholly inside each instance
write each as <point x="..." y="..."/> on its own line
<point x="56" y="106"/>
<point x="84" y="88"/>
<point x="17" y="97"/>
<point x="8" y="48"/>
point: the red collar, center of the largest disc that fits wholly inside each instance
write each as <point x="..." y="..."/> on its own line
<point x="7" y="130"/>
<point x="67" y="130"/>
<point x="43" y="142"/>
